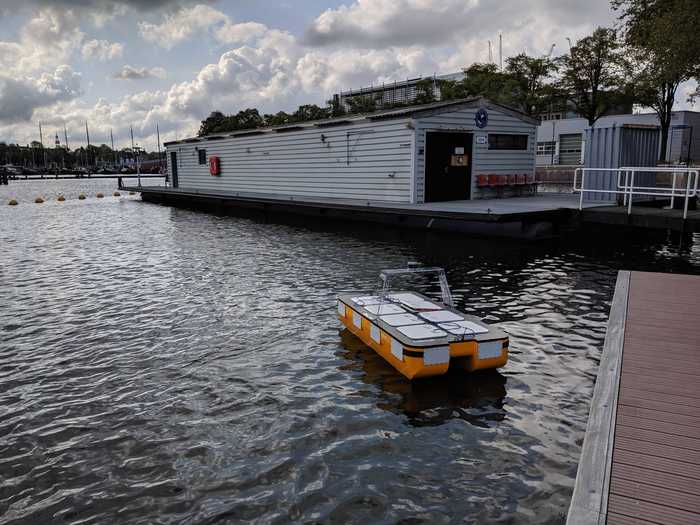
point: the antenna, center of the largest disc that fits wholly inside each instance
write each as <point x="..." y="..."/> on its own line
<point x="569" y="41"/>
<point x="500" y="51"/>
<point x="490" y="54"/>
<point x="65" y="135"/>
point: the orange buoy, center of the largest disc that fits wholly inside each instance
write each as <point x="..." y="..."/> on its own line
<point x="99" y="195"/>
<point x="116" y="194"/>
<point x="61" y="198"/>
<point x="39" y="200"/>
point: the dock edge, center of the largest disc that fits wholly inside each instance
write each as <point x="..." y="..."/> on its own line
<point x="589" y="502"/>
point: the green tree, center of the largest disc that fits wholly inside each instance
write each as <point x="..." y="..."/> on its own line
<point x="362" y="104"/>
<point x="425" y="91"/>
<point x="663" y="42"/>
<point x="278" y="119"/>
<point x="529" y="80"/>
<point x="310" y="112"/>
<point x="595" y="74"/>
<point x="335" y="107"/>
<point x="485" y="80"/>
<point x="210" y="125"/>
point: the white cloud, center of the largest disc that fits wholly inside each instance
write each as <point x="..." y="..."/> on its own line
<point x="128" y="72"/>
<point x="386" y="23"/>
<point x="20" y="97"/>
<point x="102" y="50"/>
<point x="48" y="39"/>
<point x="182" y="25"/>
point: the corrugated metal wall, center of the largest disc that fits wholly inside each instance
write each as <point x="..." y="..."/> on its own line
<point x="484" y="161"/>
<point x="616" y="147"/>
<point x="311" y="162"/>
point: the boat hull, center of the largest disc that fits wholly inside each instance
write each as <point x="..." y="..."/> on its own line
<point x="416" y="361"/>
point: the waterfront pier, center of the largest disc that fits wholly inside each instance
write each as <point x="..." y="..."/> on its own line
<point x="640" y="461"/>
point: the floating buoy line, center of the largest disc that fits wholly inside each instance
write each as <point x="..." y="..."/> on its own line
<point x="62" y="198"/>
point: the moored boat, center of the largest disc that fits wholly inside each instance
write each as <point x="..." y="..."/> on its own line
<point x="419" y="336"/>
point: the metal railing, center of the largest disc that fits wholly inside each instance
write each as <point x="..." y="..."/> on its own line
<point x="629" y="190"/>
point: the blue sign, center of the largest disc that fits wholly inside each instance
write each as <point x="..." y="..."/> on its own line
<point x="481" y="118"/>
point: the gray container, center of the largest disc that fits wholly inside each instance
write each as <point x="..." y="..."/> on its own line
<point x="616" y="147"/>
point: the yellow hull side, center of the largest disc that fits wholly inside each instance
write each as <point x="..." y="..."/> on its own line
<point x="462" y="354"/>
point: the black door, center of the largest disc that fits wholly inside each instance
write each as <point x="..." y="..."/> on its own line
<point x="173" y="168"/>
<point x="448" y="166"/>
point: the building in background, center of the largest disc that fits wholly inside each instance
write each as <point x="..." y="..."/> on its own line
<point x="395" y="93"/>
<point x="561" y="141"/>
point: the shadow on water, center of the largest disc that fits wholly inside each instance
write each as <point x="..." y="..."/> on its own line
<point x="476" y="398"/>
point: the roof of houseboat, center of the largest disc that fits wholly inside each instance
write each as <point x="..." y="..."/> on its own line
<point x="421" y="110"/>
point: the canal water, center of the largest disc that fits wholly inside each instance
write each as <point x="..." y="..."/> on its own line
<point x="161" y="365"/>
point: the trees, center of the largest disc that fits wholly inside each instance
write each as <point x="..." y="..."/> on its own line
<point x="361" y="104"/>
<point x="594" y="74"/>
<point x="662" y="40"/>
<point x="212" y="123"/>
<point x="528" y="82"/>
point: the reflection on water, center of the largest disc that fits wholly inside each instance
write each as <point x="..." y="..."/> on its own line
<point x="163" y="365"/>
<point x="476" y="398"/>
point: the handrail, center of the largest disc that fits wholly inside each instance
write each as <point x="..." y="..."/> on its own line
<point x="628" y="189"/>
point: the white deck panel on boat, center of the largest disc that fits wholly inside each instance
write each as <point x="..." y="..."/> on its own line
<point x="413" y="301"/>
<point x="366" y="300"/>
<point x="463" y="327"/>
<point x="441" y="316"/>
<point x="384" y="309"/>
<point x="400" y="319"/>
<point x="422" y="331"/>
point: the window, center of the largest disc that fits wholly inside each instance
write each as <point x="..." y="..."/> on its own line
<point x="546" y="148"/>
<point x="503" y="141"/>
<point x="551" y="116"/>
<point x="202" y="156"/>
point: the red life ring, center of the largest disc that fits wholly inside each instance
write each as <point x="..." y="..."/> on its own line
<point x="214" y="166"/>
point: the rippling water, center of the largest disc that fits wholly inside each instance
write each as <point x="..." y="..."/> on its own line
<point x="167" y="366"/>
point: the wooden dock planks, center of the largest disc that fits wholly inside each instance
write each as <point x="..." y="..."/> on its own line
<point x="651" y="473"/>
<point x="655" y="472"/>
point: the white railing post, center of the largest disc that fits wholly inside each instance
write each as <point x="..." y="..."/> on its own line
<point x="631" y="189"/>
<point x="673" y="189"/>
<point x="687" y="196"/>
<point x="583" y="177"/>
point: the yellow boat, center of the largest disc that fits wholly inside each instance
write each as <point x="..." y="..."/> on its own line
<point x="418" y="336"/>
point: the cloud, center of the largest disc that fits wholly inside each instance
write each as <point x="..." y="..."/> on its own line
<point x="99" y="5"/>
<point x="20" y="97"/>
<point x="47" y="40"/>
<point x="102" y="50"/>
<point x="385" y="23"/>
<point x="137" y="73"/>
<point x="181" y="25"/>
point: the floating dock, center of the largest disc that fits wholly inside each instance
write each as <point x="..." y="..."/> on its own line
<point x="533" y="217"/>
<point x="530" y="218"/>
<point x="640" y="462"/>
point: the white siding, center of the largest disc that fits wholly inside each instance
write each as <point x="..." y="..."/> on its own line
<point x="299" y="164"/>
<point x="484" y="161"/>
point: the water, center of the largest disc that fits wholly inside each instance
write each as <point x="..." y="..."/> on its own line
<point x="167" y="366"/>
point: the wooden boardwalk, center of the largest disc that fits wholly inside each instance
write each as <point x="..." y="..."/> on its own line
<point x="640" y="461"/>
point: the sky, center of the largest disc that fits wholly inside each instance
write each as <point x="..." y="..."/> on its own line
<point x="121" y="63"/>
